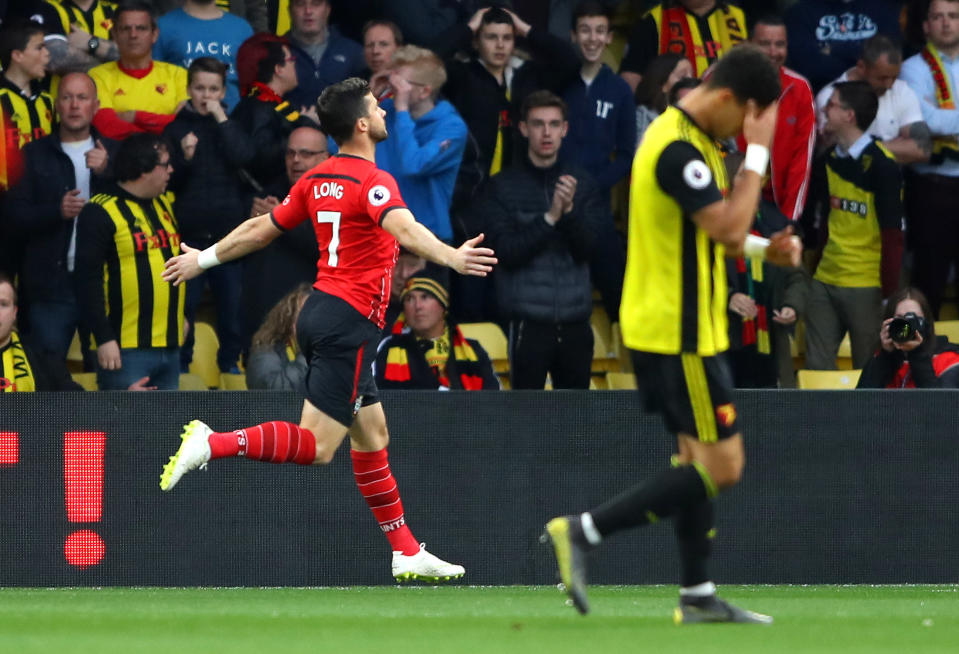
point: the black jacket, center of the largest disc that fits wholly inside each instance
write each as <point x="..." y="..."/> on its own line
<point x="32" y="210"/>
<point x="277" y="269"/>
<point x="480" y="99"/>
<point x="269" y="131"/>
<point x="934" y="364"/>
<point x="208" y="187"/>
<point x="543" y="271"/>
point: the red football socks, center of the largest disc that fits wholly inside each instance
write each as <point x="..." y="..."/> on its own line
<point x="378" y="488"/>
<point x="276" y="442"/>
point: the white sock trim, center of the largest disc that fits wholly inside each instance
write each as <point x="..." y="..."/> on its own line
<point x="589" y="529"/>
<point x="704" y="589"/>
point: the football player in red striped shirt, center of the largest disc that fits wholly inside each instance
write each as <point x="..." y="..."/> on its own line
<point x="358" y="216"/>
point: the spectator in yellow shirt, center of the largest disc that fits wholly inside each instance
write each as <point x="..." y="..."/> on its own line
<point x="137" y="94"/>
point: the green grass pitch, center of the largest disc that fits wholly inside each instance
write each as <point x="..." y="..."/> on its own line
<point x="500" y="620"/>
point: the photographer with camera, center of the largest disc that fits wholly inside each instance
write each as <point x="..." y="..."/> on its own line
<point x="911" y="355"/>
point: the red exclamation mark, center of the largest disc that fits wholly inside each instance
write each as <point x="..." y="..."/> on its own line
<point x="9" y="448"/>
<point x="83" y="484"/>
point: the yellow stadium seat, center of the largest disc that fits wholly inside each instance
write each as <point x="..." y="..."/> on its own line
<point x="619" y="348"/>
<point x="232" y="382"/>
<point x="205" y="346"/>
<point x="86" y="379"/>
<point x="827" y="379"/>
<point x="601" y="324"/>
<point x="493" y="340"/>
<point x="620" y="381"/>
<point x="603" y="359"/>
<point x="844" y="356"/>
<point x="949" y="329"/>
<point x="191" y="382"/>
<point x="75" y="354"/>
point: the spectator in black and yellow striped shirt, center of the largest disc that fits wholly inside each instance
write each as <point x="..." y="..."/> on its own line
<point x="27" y="111"/>
<point x="124" y="236"/>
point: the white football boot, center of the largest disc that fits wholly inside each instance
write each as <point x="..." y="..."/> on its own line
<point x="194" y="453"/>
<point x="423" y="566"/>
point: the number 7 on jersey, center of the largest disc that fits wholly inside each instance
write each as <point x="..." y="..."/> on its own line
<point x="332" y="217"/>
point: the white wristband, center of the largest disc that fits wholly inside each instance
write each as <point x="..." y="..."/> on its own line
<point x="755" y="247"/>
<point x="207" y="258"/>
<point x="757" y="158"/>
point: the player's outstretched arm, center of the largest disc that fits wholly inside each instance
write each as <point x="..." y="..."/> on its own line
<point x="467" y="259"/>
<point x="249" y="236"/>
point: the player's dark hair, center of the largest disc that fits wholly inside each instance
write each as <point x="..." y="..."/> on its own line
<point x="206" y="65"/>
<point x="879" y="45"/>
<point x="6" y="279"/>
<point x="542" y="98"/>
<point x="136" y="5"/>
<point x="748" y="73"/>
<point x="15" y="35"/>
<point x="649" y="91"/>
<point x="138" y="155"/>
<point x="341" y="105"/>
<point x="495" y="15"/>
<point x="859" y="97"/>
<point x="588" y="9"/>
<point x="382" y="22"/>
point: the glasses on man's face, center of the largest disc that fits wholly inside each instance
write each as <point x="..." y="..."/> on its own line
<point x="165" y="164"/>
<point x="303" y="153"/>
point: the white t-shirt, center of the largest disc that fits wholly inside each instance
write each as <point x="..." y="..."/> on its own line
<point x="898" y="107"/>
<point x="77" y="152"/>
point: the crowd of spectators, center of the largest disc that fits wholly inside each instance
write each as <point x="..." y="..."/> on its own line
<point x="132" y="128"/>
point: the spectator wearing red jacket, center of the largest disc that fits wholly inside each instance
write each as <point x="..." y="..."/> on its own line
<point x="795" y="139"/>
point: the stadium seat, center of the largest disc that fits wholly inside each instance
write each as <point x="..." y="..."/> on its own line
<point x="844" y="356"/>
<point x="75" y="354"/>
<point x="205" y="346"/>
<point x="493" y="340"/>
<point x="603" y="358"/>
<point x="619" y="348"/>
<point x="232" y="382"/>
<point x="191" y="382"/>
<point x="86" y="379"/>
<point x="620" y="381"/>
<point x="949" y="329"/>
<point x="601" y="324"/>
<point x="827" y="379"/>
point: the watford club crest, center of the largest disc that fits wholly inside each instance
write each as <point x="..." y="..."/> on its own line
<point x="161" y="88"/>
<point x="726" y="414"/>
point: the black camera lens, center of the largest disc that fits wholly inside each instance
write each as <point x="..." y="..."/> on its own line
<point x="900" y="331"/>
<point x="904" y="329"/>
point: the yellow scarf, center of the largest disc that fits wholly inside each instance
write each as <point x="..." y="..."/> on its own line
<point x="16" y="373"/>
<point x="943" y="147"/>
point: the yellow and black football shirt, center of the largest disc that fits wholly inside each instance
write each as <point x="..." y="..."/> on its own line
<point x="860" y="194"/>
<point x="674" y="292"/>
<point x="96" y="21"/>
<point x="28" y="116"/>
<point x="122" y="245"/>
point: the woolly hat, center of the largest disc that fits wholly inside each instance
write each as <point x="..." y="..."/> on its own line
<point x="434" y="280"/>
